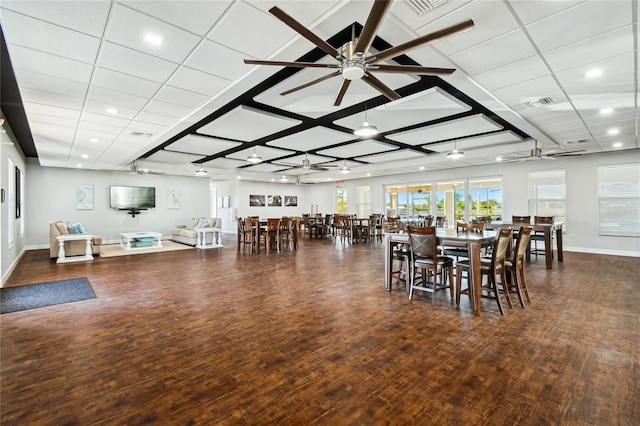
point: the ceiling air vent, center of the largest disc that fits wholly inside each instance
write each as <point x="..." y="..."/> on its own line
<point x="143" y="134"/>
<point x="424" y="6"/>
<point x="538" y="102"/>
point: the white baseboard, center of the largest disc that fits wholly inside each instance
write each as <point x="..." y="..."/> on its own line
<point x="13" y="265"/>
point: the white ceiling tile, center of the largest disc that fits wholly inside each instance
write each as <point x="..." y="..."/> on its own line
<point x="153" y="129"/>
<point x="216" y="59"/>
<point x="201" y="145"/>
<point x="116" y="98"/>
<point x="404" y="154"/>
<point x="594" y="18"/>
<point x="267" y="153"/>
<point x="38" y="81"/>
<point x="181" y="97"/>
<point x="226" y="163"/>
<point x="357" y="149"/>
<point x="538" y="87"/>
<point x="532" y="10"/>
<point x="198" y="81"/>
<point x="89" y="135"/>
<point x="311" y="139"/>
<point x="36" y="108"/>
<point x="619" y="68"/>
<point x="173" y="157"/>
<point x="138" y="64"/>
<point x="242" y="29"/>
<point x="32" y="60"/>
<point x="50" y="38"/>
<point x="150" y="117"/>
<point x="47" y="98"/>
<point x="50" y="119"/>
<point x="88" y="17"/>
<point x="509" y="74"/>
<point x="233" y="125"/>
<point x="125" y="83"/>
<point x="195" y="16"/>
<point x="265" y="168"/>
<point x="100" y="128"/>
<point x="101" y="108"/>
<point x="513" y="46"/>
<point x="451" y="129"/>
<point x="170" y="110"/>
<point x="109" y="120"/>
<point x="423" y="106"/>
<point x="129" y="27"/>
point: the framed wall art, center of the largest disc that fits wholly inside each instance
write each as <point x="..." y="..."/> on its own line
<point x="257" y="200"/>
<point x="84" y="197"/>
<point x="291" y="201"/>
<point x="173" y="198"/>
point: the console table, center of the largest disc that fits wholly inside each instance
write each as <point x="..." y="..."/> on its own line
<point x="215" y="237"/>
<point x="127" y="238"/>
<point x="88" y="255"/>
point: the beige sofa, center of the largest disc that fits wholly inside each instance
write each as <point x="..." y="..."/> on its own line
<point x="71" y="248"/>
<point x="186" y="234"/>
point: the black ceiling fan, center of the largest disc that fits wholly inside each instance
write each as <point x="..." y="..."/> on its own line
<point x="355" y="62"/>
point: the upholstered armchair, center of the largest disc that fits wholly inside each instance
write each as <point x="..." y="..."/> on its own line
<point x="71" y="248"/>
<point x="187" y="234"/>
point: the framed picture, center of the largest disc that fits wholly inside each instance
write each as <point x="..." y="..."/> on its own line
<point x="274" y="201"/>
<point x="256" y="200"/>
<point x="18" y="193"/>
<point x="84" y="197"/>
<point x="173" y="198"/>
<point x="291" y="201"/>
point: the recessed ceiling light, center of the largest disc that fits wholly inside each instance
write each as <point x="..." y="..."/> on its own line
<point x="606" y="111"/>
<point x="239" y="177"/>
<point x="85" y="156"/>
<point x="112" y="110"/>
<point x="597" y="72"/>
<point x="154" y="39"/>
<point x="613" y="131"/>
<point x="79" y="165"/>
<point x="421" y="167"/>
<point x="94" y="140"/>
<point x="498" y="158"/>
<point x="617" y="145"/>
<point x="368" y="174"/>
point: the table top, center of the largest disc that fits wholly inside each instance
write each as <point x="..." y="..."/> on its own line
<point x="68" y="237"/>
<point x="449" y="234"/>
<point x="140" y="234"/>
<point x="535" y="226"/>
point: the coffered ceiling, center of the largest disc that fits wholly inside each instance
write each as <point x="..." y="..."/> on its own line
<point x="98" y="95"/>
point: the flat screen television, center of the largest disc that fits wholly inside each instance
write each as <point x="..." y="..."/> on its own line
<point x="132" y="197"/>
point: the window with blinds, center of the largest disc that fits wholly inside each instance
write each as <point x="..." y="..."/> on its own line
<point x="11" y="203"/>
<point x="619" y="200"/>
<point x="547" y="194"/>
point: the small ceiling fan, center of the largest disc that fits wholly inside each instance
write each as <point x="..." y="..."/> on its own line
<point x="537" y="154"/>
<point x="135" y="169"/>
<point x="355" y="62"/>
<point x="306" y="164"/>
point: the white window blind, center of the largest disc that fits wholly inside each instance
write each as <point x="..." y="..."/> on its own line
<point x="619" y="199"/>
<point x="22" y="185"/>
<point x="11" y="203"/>
<point x="547" y="193"/>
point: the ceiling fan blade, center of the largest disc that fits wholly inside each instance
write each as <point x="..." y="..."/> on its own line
<point x="311" y="83"/>
<point x="291" y="64"/>
<point x="410" y="69"/>
<point x="412" y="44"/>
<point x="565" y="153"/>
<point x="370" y="29"/>
<point x="304" y="31"/>
<point x="380" y="86"/>
<point x="343" y="89"/>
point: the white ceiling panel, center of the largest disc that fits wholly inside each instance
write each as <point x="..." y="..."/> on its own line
<point x="52" y="120"/>
<point x="153" y="129"/>
<point x="266" y="168"/>
<point x="226" y="163"/>
<point x="357" y="149"/>
<point x="152" y="118"/>
<point x="198" y="81"/>
<point x="48" y="98"/>
<point x="35" y="108"/>
<point x="61" y="86"/>
<point x="163" y="156"/>
<point x="420" y="107"/>
<point x="216" y="59"/>
<point x="195" y="16"/>
<point x="452" y="129"/>
<point x="102" y="108"/>
<point x="202" y="145"/>
<point x="533" y="10"/>
<point x="619" y="68"/>
<point x="109" y="120"/>
<point x="125" y="83"/>
<point x="116" y="98"/>
<point x="135" y="63"/>
<point x="50" y="38"/>
<point x="404" y="154"/>
<point x="233" y="125"/>
<point x="170" y="110"/>
<point x="267" y="153"/>
<point x="100" y="128"/>
<point x="538" y="87"/>
<point x="513" y="73"/>
<point x="32" y="60"/>
<point x="312" y="139"/>
<point x="181" y="97"/>
<point x="129" y="28"/>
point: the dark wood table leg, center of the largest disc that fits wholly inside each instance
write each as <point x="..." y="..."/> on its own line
<point x="559" y="243"/>
<point x="548" y="248"/>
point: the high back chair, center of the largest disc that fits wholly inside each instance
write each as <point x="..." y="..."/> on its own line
<point x="424" y="257"/>
<point x="285" y="233"/>
<point x="440" y="221"/>
<point x="538" y="236"/>
<point x="515" y="266"/>
<point x="272" y="234"/>
<point x="240" y="232"/>
<point x="491" y="269"/>
<point x="521" y="219"/>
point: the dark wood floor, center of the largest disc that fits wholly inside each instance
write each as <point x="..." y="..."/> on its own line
<point x="220" y="337"/>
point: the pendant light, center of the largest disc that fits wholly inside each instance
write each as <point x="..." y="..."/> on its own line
<point x="254" y="158"/>
<point x="201" y="172"/>
<point x="455" y="154"/>
<point x="345" y="170"/>
<point x="366" y="129"/>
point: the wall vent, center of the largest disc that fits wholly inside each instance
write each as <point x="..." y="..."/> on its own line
<point x="537" y="102"/>
<point x="143" y="134"/>
<point x="424" y="6"/>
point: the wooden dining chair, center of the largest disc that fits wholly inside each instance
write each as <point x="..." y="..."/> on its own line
<point x="240" y="232"/>
<point x="515" y="266"/>
<point x="491" y="269"/>
<point x="425" y="258"/>
<point x="285" y="233"/>
<point x="440" y="221"/>
<point x="538" y="236"/>
<point x="272" y="235"/>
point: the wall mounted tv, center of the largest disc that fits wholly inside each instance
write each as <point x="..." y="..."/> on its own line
<point x="132" y="197"/>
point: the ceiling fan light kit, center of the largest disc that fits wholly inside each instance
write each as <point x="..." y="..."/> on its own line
<point x="455" y="154"/>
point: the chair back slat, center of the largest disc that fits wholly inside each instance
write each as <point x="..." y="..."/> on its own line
<point x="423" y="242"/>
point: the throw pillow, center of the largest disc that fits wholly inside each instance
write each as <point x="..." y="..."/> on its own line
<point x="80" y="228"/>
<point x="71" y="228"/>
<point x="204" y="223"/>
<point x="62" y="228"/>
<point x="194" y="222"/>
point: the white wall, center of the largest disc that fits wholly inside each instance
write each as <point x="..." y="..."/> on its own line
<point x="51" y="196"/>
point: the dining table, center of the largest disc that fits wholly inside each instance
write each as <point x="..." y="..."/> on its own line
<point x="474" y="241"/>
<point x="360" y="230"/>
<point x="546" y="228"/>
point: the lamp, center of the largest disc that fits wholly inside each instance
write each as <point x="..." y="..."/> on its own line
<point x="254" y="158"/>
<point x="366" y="129"/>
<point x="345" y="170"/>
<point x="455" y="154"/>
<point x="284" y="178"/>
<point x="201" y="172"/>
